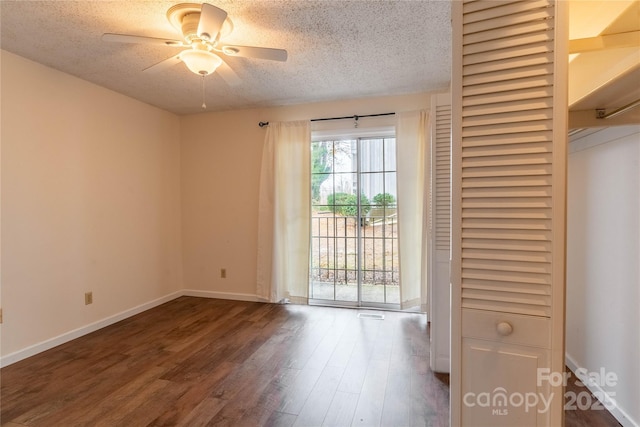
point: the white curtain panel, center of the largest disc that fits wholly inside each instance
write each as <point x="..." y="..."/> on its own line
<point x="284" y="212"/>
<point x="412" y="153"/>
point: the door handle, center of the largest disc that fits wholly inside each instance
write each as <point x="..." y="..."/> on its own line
<point x="504" y="328"/>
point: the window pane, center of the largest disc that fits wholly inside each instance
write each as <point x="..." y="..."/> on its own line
<point x="372" y="183"/>
<point x="347" y="251"/>
<point x="344" y="155"/>
<point x="342" y="186"/>
<point x="372" y="155"/>
<point x="390" y="154"/>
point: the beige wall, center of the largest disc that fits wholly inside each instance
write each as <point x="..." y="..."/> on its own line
<point x="103" y="193"/>
<point x="221" y="157"/>
<point x="90" y="202"/>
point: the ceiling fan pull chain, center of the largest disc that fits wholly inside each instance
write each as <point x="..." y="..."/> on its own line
<point x="204" y="105"/>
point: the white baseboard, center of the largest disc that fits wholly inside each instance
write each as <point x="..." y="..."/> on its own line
<point x="619" y="413"/>
<point x="92" y="327"/>
<point x="221" y="295"/>
<point x="32" y="350"/>
<point x="441" y="364"/>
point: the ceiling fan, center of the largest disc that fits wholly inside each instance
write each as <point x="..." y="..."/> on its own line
<point x="202" y="26"/>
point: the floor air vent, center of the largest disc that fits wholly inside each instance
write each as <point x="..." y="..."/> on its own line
<point x="371" y="316"/>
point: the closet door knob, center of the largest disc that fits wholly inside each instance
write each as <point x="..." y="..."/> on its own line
<point x="504" y="328"/>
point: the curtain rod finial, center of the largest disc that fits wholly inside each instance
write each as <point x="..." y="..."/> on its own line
<point x="263" y="124"/>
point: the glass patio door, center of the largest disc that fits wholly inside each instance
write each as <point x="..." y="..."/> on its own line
<point x="354" y="226"/>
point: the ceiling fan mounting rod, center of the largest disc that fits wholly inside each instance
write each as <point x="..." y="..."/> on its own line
<point x="189" y="26"/>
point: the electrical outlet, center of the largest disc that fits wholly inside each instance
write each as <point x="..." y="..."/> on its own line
<point x="223" y="273"/>
<point x="88" y="298"/>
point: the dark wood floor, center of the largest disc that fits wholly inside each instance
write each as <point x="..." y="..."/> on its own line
<point x="197" y="361"/>
<point x="576" y="417"/>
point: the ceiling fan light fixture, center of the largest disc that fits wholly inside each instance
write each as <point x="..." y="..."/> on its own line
<point x="200" y="62"/>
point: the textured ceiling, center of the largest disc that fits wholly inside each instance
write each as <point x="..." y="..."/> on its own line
<point x="337" y="49"/>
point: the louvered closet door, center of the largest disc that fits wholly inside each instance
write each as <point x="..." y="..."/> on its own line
<point x="508" y="211"/>
<point x="440" y="247"/>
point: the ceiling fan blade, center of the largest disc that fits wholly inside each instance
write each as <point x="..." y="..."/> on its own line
<point x="228" y="75"/>
<point x="255" y="52"/>
<point x="127" y="38"/>
<point x="211" y="20"/>
<point x="163" y="65"/>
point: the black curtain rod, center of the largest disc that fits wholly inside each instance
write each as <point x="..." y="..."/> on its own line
<point x="263" y="124"/>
